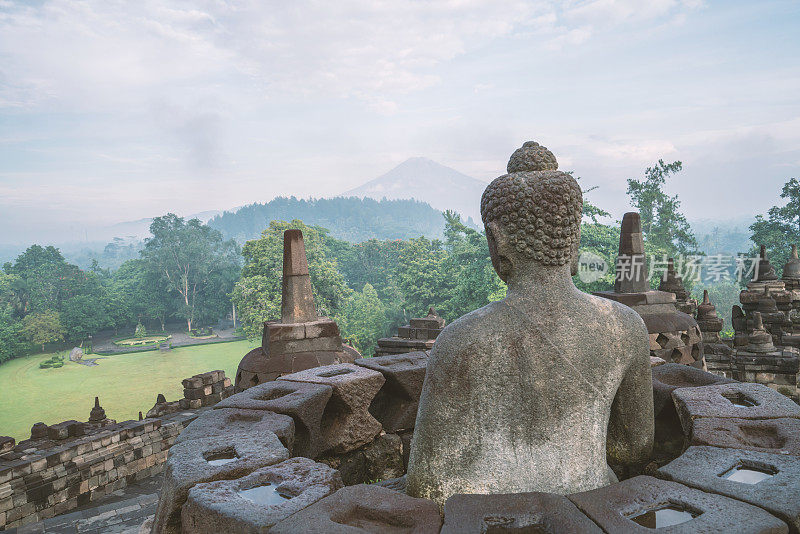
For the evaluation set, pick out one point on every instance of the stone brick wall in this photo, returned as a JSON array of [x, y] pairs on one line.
[[43, 478]]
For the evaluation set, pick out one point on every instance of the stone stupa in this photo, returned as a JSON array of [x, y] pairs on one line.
[[301, 339], [674, 335]]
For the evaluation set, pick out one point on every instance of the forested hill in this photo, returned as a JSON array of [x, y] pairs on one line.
[[352, 219]]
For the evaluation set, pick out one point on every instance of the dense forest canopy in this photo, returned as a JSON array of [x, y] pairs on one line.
[[352, 219], [373, 264]]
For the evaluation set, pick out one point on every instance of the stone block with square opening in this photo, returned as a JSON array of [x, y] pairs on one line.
[[364, 508], [671, 376], [304, 402], [346, 421], [226, 421], [514, 513], [205, 460], [769, 481], [257, 501], [395, 405], [778, 436], [644, 503], [739, 400]]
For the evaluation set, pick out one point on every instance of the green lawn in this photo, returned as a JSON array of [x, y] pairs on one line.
[[125, 383]]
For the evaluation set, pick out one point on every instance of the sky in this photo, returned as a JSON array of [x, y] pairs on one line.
[[113, 111]]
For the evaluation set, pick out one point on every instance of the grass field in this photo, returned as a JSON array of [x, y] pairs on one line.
[[125, 383]]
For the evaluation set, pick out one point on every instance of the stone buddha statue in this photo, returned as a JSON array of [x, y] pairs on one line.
[[539, 391]]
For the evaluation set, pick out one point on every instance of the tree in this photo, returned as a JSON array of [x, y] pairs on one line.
[[781, 228], [43, 327], [664, 227], [188, 256], [362, 319], [423, 277], [474, 281], [45, 278], [83, 316]]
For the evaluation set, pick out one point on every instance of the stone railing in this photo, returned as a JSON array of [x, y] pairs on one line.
[[277, 458], [70, 464], [43, 478]]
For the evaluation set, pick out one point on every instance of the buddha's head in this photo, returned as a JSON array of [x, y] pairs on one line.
[[532, 215]]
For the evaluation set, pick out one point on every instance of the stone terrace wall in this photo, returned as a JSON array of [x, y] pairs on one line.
[[40, 482]]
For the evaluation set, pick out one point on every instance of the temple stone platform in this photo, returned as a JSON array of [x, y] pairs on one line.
[[721, 415], [418, 335]]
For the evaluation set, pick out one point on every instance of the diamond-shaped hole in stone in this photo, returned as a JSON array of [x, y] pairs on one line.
[[221, 457], [665, 515], [762, 436], [662, 340], [749, 473], [273, 394], [740, 400], [266, 494], [335, 372]]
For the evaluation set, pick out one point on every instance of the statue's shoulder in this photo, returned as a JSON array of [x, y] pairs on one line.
[[612, 312], [470, 329]]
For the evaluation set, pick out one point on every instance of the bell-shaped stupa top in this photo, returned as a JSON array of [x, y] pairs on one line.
[[792, 268], [764, 270], [759, 339], [98, 413]]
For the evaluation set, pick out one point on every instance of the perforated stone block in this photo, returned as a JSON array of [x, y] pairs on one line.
[[256, 502], [226, 421], [708, 468], [346, 422], [516, 512], [205, 460], [778, 436], [615, 507], [738, 400], [671, 376], [395, 406], [305, 403], [362, 509]]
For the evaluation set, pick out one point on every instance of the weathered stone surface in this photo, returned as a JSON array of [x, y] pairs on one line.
[[395, 406], [568, 361], [6, 444], [778, 436], [395, 484], [191, 462], [667, 378], [613, 507], [380, 459], [228, 421], [722, 400], [515, 512], [346, 423], [288, 487], [304, 402], [705, 468], [363, 509], [76, 354]]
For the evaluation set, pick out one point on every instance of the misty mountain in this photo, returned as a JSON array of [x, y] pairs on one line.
[[427, 181], [352, 219]]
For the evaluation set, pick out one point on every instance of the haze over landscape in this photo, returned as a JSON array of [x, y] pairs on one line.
[[112, 113]]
